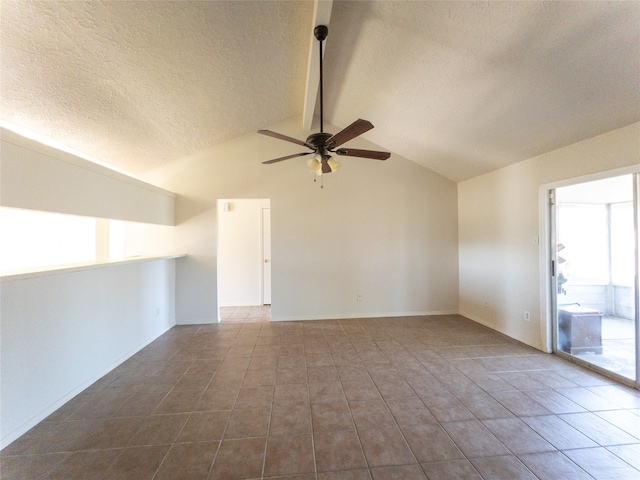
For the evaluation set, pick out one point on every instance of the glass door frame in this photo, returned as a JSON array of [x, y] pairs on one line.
[[636, 229], [548, 270]]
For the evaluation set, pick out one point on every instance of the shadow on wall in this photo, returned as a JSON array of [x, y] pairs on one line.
[[188, 208]]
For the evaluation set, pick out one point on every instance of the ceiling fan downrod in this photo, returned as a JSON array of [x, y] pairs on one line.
[[321, 32], [324, 144]]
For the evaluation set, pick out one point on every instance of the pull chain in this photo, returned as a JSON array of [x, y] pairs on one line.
[[315, 179]]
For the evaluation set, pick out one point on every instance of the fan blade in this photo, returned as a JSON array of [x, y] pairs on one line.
[[269, 162], [285, 138], [352, 131], [326, 168], [354, 152]]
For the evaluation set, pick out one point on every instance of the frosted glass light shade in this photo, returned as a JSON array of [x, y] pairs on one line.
[[315, 164], [333, 164]]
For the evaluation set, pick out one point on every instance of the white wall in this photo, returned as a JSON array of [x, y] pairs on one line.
[[385, 230], [61, 332], [37, 177], [146, 239], [499, 216], [240, 252]]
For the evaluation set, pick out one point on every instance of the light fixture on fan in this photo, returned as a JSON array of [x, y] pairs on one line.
[[315, 164], [323, 144]]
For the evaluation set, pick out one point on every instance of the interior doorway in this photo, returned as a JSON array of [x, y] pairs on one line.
[[244, 260], [594, 286]]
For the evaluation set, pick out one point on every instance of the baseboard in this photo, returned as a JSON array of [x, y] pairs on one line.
[[482, 321], [25, 427], [205, 321], [344, 316]]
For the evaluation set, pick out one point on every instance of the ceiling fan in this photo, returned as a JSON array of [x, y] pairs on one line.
[[322, 144]]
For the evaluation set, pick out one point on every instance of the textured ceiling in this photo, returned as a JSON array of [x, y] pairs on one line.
[[462, 88], [139, 83]]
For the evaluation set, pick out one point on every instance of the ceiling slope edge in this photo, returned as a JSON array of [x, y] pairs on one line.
[[321, 16]]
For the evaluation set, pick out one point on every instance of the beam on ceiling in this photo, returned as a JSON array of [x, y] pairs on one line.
[[321, 16]]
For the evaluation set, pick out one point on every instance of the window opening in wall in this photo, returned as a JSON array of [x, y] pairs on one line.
[[34, 239], [116, 239]]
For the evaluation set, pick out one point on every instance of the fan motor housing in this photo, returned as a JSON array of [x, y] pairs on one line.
[[319, 139]]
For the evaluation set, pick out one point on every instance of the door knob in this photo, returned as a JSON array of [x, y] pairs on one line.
[[266, 260]]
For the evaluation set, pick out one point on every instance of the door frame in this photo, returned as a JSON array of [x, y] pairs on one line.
[[547, 257], [266, 256]]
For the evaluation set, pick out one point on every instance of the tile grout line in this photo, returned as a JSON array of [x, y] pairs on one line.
[[215, 455], [266, 440], [313, 442], [355, 426]]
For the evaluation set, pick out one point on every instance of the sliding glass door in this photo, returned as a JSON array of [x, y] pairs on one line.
[[595, 265]]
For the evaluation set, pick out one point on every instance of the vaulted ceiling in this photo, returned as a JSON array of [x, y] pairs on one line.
[[462, 88]]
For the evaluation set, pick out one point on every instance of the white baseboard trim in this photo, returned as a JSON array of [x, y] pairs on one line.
[[482, 321], [344, 316], [205, 321], [25, 427]]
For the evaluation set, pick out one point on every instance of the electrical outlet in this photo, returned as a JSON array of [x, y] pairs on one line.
[[359, 297], [527, 315]]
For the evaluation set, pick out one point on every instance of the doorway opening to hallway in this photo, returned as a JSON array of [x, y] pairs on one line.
[[244, 260]]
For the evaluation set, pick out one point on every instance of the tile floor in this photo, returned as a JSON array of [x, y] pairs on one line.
[[252, 314], [402, 398], [618, 347]]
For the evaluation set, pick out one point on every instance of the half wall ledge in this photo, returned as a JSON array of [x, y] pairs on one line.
[[76, 267]]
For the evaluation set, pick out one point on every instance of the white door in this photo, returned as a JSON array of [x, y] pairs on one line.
[[266, 256]]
